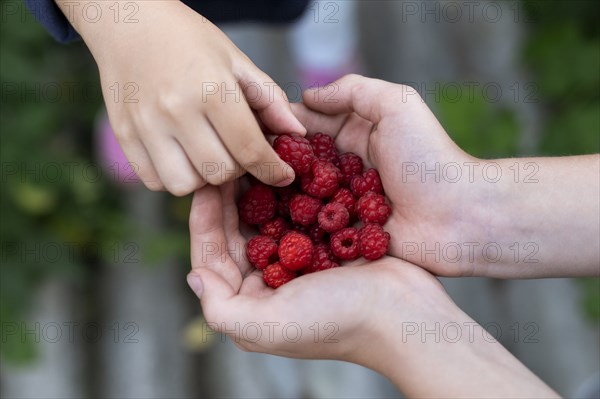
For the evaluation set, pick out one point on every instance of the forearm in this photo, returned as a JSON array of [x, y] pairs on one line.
[[544, 214], [452, 356]]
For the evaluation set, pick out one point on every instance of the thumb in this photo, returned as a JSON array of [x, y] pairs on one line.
[[269, 101], [369, 98], [219, 305], [209, 287]]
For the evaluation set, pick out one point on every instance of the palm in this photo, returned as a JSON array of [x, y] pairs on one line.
[[326, 307], [426, 211]]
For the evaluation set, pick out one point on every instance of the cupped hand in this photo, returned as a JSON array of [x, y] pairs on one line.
[[185, 103], [393, 130], [345, 313]]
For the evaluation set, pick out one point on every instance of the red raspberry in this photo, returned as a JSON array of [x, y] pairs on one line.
[[275, 228], [257, 205], [333, 217], [373, 241], [284, 195], [304, 209], [323, 259], [275, 275], [369, 181], [344, 196], [261, 251], [344, 244], [296, 151], [371, 208], [317, 234], [295, 251], [350, 166], [301, 229], [322, 181], [324, 148]]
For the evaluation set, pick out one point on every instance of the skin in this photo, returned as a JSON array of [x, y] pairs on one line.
[[374, 307], [186, 84], [550, 209], [363, 313]]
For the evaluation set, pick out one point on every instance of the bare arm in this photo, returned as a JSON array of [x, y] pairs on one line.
[[552, 210], [454, 214]]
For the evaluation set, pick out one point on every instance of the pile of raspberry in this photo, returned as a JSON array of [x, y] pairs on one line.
[[312, 225]]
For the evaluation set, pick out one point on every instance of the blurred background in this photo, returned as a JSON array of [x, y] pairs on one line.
[[93, 296]]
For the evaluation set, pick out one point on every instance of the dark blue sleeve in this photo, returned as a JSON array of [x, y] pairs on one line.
[[51, 17], [267, 11]]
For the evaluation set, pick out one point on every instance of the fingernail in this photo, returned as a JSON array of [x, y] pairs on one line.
[[284, 183], [288, 174], [195, 283], [299, 128]]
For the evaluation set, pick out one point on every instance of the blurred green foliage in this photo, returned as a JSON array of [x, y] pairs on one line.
[[479, 126], [36, 212], [562, 55], [61, 216]]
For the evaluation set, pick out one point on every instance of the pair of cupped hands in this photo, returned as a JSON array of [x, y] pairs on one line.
[[345, 313], [393, 315]]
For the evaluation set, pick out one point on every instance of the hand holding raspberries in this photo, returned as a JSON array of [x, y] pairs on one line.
[[307, 227]]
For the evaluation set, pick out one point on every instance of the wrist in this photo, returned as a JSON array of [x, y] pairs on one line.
[[410, 298], [530, 223], [492, 206], [439, 351], [105, 26]]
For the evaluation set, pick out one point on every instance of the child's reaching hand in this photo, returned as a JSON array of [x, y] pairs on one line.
[[182, 99]]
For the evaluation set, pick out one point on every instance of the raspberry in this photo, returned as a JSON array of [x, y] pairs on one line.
[[333, 217], [350, 166], [275, 228], [317, 234], [257, 205], [371, 208], [304, 209], [369, 181], [324, 148], [296, 151], [344, 243], [322, 181], [323, 259], [373, 241], [295, 251], [304, 227], [344, 196], [284, 195], [275, 275], [261, 251]]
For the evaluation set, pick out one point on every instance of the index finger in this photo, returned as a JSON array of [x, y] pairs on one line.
[[236, 125]]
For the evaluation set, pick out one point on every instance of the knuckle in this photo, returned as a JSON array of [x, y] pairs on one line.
[[407, 93], [181, 187], [357, 92], [282, 93], [124, 132], [353, 78], [214, 180], [175, 102]]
